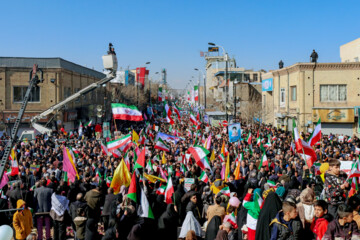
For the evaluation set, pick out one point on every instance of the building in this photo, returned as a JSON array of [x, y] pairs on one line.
[[350, 52], [309, 91], [242, 90], [61, 79]]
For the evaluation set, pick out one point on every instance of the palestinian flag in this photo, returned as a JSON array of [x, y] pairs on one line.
[[193, 120], [144, 209], [196, 93], [232, 219], [316, 134], [272, 184], [132, 188], [168, 114], [264, 161], [203, 177], [160, 144], [169, 191], [140, 163], [161, 190], [118, 143], [225, 191], [123, 112]]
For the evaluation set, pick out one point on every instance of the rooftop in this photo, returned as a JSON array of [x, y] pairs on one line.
[[24, 62]]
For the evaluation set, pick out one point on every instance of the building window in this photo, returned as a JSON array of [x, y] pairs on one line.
[[20, 91], [293, 93], [67, 92], [356, 59], [255, 77], [333, 93], [247, 77], [282, 97]]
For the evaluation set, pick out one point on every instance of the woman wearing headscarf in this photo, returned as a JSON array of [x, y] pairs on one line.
[[167, 223], [213, 228], [159, 206], [306, 210], [190, 223], [271, 207]]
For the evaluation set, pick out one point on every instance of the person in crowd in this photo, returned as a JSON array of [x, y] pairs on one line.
[[22, 220], [335, 186], [321, 219], [306, 211], [285, 225], [216, 209], [354, 203], [343, 226], [42, 196]]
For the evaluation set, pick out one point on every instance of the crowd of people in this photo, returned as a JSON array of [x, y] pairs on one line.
[[282, 199]]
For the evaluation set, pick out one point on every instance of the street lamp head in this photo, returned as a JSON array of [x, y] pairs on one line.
[[196, 69], [147, 63], [211, 44], [157, 73]]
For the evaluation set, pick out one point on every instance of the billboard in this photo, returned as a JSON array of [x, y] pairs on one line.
[[332, 115], [141, 75], [267, 85], [129, 78]]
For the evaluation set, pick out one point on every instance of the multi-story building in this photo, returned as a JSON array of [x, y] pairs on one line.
[[242, 90], [350, 52], [61, 79], [309, 91]]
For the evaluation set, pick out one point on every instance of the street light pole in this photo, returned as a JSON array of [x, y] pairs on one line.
[[235, 83]]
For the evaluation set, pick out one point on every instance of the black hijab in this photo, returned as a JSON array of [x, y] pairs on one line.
[[271, 207], [213, 228], [167, 223]]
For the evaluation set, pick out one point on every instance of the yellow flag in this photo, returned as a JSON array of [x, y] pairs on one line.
[[227, 169], [135, 137], [212, 157], [237, 172], [153, 178], [163, 160], [223, 148], [121, 177]]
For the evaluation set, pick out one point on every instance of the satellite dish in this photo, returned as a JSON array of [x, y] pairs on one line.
[[229, 112], [99, 114], [228, 105], [99, 108]]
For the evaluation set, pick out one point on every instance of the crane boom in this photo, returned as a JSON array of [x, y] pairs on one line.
[[34, 80]]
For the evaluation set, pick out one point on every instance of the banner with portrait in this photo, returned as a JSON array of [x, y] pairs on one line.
[[234, 131]]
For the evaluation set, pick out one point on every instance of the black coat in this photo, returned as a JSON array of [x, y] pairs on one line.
[[271, 207], [212, 228], [167, 223]]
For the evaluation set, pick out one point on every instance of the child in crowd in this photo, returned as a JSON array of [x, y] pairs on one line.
[[343, 227], [286, 225], [321, 220], [335, 186]]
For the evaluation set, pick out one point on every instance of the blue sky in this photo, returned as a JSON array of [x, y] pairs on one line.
[[170, 34]]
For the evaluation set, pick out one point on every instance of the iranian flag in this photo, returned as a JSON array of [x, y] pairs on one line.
[[316, 134], [232, 219], [203, 177], [118, 143], [116, 153], [160, 94], [249, 139], [183, 168], [149, 166], [160, 144], [169, 191], [124, 112], [89, 123], [104, 149], [177, 111], [264, 161], [196, 93], [272, 184], [304, 148], [222, 157], [161, 190], [168, 114], [193, 120], [225, 191], [355, 170], [199, 153], [317, 168]]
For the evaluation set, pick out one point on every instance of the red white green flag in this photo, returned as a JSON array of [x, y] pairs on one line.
[[168, 114], [160, 144], [316, 134], [124, 112], [203, 177], [193, 120], [118, 143], [225, 191], [169, 191]]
